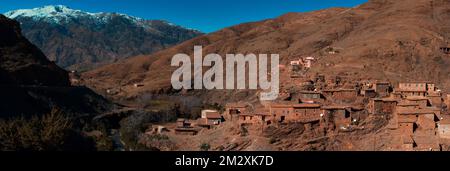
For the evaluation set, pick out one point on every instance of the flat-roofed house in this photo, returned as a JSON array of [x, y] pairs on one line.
[[426, 143], [414, 88], [444, 127], [383, 89], [404, 106], [369, 93], [232, 110], [257, 118], [280, 112], [419, 100], [212, 117], [336, 115], [382, 106], [409, 120], [306, 113], [435, 100], [302, 113], [246, 118]]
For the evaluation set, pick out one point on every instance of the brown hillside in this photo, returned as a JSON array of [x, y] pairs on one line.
[[383, 39]]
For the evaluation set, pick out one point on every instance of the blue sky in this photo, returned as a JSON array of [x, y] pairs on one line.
[[203, 15]]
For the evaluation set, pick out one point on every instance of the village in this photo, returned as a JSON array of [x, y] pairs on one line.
[[416, 114]]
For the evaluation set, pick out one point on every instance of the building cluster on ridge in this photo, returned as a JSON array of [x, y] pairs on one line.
[[415, 111]]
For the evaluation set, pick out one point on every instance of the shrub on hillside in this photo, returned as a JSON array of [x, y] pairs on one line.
[[52, 132]]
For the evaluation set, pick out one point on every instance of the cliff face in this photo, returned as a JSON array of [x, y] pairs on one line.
[[32, 85], [22, 63]]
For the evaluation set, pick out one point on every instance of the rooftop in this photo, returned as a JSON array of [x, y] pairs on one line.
[[407, 104], [413, 111], [306, 105], [386, 99], [213, 115], [417, 82], [334, 107], [310, 92], [416, 98]]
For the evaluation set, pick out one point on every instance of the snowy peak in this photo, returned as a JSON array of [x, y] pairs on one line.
[[46, 11], [62, 14], [94, 39]]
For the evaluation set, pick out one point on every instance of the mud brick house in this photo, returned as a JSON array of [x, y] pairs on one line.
[[435, 100], [263, 119], [407, 143], [341, 94], [212, 117], [406, 106], [358, 113], [414, 88], [339, 116], [444, 128], [303, 113], [426, 124], [246, 118], [369, 93], [306, 113], [232, 110], [280, 112], [436, 110], [383, 89], [409, 120], [419, 100], [426, 143], [382, 106]]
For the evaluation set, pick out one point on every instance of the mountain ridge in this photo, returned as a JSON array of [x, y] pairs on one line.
[[379, 40], [79, 40]]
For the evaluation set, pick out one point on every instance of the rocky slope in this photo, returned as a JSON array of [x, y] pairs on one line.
[[393, 40], [32, 85], [81, 40], [22, 63]]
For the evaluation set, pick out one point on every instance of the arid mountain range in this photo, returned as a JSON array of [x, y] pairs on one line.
[[390, 40], [81, 40]]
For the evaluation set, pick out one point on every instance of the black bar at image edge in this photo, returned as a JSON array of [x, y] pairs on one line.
[[200, 160]]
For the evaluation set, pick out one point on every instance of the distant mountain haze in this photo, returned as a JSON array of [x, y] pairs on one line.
[[81, 40]]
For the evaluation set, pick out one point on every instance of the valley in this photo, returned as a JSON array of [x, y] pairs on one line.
[[368, 78]]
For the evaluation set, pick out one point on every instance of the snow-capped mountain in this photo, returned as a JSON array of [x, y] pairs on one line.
[[77, 39]]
